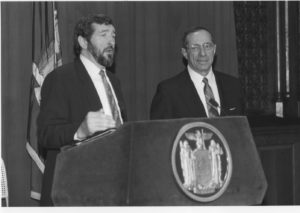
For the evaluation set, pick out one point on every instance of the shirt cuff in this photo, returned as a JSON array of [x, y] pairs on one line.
[[76, 138]]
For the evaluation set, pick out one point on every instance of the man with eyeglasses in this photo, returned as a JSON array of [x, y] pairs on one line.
[[198, 91]]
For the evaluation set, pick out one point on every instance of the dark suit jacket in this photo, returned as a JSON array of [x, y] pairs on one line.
[[177, 97], [67, 95]]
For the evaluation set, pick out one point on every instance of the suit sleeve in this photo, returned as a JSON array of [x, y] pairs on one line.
[[55, 128], [238, 97], [241, 99], [161, 106]]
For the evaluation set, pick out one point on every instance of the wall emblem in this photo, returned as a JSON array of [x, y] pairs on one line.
[[201, 161]]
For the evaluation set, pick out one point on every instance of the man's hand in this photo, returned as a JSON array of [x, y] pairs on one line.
[[94, 122]]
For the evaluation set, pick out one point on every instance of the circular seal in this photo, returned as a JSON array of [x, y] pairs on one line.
[[201, 161]]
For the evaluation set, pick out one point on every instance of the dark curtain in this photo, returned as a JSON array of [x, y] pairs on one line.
[[149, 50], [149, 41], [16, 60]]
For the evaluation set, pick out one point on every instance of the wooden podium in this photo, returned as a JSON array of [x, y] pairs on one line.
[[132, 167]]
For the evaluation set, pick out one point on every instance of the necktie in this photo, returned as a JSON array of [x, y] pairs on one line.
[[111, 99], [210, 99]]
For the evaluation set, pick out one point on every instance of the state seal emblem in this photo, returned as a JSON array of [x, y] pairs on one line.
[[201, 161]]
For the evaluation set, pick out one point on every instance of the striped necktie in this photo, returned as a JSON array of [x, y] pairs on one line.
[[111, 99], [209, 97]]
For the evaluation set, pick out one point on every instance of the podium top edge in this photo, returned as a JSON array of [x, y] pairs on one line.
[[186, 119]]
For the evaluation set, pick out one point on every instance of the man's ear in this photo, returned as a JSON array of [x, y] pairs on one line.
[[215, 49], [184, 53], [82, 42]]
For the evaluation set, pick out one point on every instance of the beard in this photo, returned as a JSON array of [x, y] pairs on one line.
[[99, 56]]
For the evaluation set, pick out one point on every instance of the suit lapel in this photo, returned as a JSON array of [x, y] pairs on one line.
[[190, 96], [88, 88], [220, 90]]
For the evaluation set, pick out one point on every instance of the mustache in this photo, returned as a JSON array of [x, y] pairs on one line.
[[109, 48]]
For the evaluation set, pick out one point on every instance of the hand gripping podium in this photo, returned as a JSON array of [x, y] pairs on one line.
[[180, 162]]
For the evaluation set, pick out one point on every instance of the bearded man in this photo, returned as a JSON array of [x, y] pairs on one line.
[[82, 98]]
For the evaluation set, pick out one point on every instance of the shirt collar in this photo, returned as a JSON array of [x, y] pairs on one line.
[[198, 77], [92, 69]]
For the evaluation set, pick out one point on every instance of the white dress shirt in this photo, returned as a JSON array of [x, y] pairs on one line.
[[197, 80], [94, 74]]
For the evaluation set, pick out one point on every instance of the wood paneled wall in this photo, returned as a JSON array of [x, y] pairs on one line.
[[279, 150], [257, 54]]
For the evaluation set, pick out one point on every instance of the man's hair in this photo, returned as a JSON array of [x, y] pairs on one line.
[[84, 28], [193, 30]]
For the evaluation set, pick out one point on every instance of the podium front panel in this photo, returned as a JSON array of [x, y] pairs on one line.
[[152, 180], [133, 166], [93, 173]]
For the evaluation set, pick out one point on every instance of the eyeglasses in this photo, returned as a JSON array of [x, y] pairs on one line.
[[208, 46]]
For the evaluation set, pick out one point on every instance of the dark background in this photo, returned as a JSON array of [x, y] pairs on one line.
[[149, 41]]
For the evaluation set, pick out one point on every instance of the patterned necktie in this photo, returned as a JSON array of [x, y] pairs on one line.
[[210, 100], [111, 99]]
